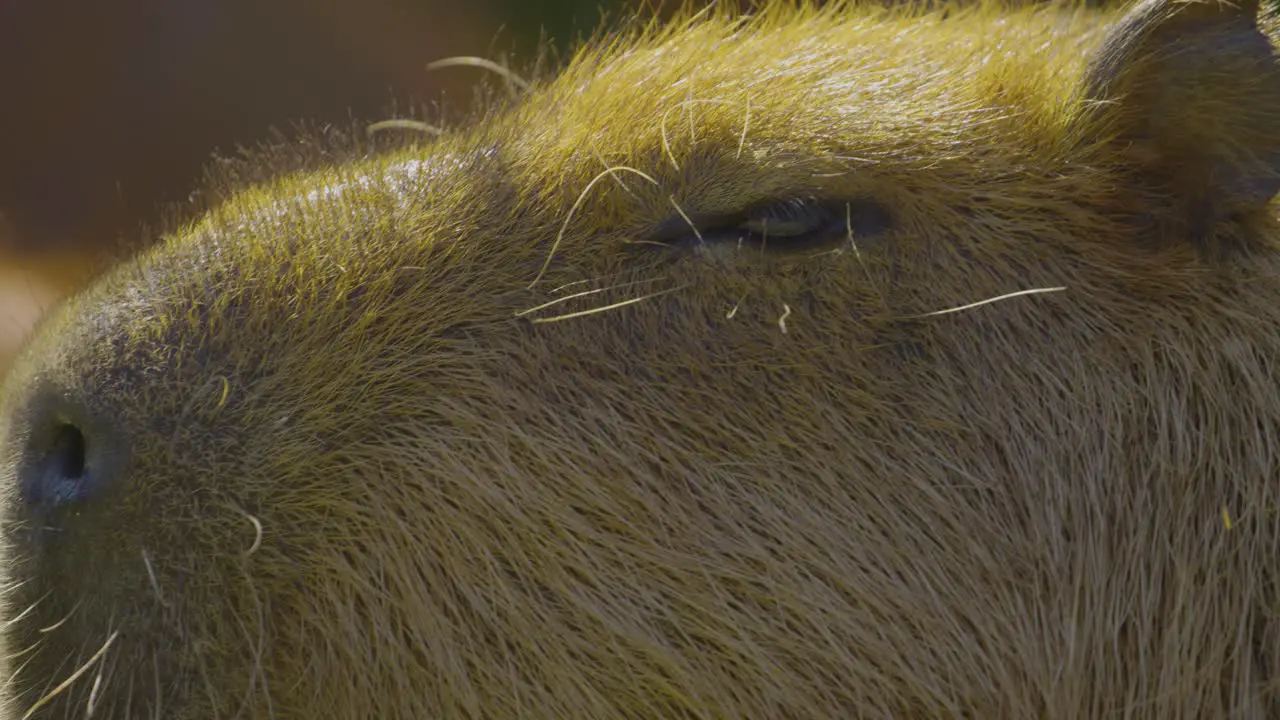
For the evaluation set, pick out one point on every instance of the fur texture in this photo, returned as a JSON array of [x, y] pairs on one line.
[[663, 392]]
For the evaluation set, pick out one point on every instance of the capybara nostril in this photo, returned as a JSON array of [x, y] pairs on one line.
[[67, 460]]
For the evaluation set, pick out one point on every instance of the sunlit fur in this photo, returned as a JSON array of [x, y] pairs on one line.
[[446, 433]]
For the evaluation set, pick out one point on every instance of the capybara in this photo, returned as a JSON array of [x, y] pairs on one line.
[[823, 362]]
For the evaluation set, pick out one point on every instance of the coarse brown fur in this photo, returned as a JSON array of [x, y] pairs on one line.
[[667, 390]]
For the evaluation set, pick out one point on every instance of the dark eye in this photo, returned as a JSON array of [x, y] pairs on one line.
[[781, 226], [786, 219]]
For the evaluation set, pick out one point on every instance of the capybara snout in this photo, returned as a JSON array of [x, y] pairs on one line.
[[818, 363]]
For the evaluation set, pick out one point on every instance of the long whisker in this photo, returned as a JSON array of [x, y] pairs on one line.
[[577, 204], [572, 283], [155, 584], [988, 301], [65, 618], [614, 306], [404, 124], [30, 609], [491, 66], [688, 220], [48, 698], [584, 293], [92, 704]]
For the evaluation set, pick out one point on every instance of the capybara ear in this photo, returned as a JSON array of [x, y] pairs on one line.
[[1191, 91]]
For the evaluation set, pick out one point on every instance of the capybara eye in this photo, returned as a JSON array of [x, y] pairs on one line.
[[786, 219], [809, 223], [782, 226]]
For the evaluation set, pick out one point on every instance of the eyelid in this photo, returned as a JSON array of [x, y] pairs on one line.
[[780, 228], [800, 221], [783, 218]]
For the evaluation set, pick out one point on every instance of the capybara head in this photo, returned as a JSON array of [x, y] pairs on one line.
[[821, 363]]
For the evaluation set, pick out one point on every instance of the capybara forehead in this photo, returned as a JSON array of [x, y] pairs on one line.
[[901, 88]]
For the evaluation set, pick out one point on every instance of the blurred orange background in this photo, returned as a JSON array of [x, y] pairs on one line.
[[110, 110]]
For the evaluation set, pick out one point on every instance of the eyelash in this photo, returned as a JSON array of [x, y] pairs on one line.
[[796, 224]]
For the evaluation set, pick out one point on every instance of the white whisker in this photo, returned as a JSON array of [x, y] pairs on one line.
[[64, 619], [62, 686], [155, 583], [980, 303], [257, 538], [468, 61], [92, 703], [614, 306], [584, 293], [574, 209]]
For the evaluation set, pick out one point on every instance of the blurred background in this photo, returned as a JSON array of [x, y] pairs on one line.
[[110, 110]]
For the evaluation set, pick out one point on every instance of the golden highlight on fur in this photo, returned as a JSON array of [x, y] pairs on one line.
[[820, 363]]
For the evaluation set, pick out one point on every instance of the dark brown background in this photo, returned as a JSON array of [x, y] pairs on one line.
[[109, 110]]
